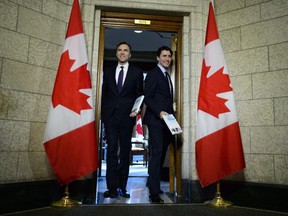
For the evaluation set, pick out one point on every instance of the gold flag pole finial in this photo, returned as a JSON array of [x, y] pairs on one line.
[[65, 201], [218, 201]]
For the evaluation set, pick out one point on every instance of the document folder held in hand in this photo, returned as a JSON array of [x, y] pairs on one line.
[[172, 124], [137, 104]]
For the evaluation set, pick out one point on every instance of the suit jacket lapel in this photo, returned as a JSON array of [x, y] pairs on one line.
[[165, 82], [113, 79], [127, 78]]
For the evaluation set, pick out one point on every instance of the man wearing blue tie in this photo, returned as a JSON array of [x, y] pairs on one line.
[[158, 94], [122, 84]]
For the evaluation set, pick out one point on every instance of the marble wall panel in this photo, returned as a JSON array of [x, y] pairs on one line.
[[34, 166], [275, 8], [281, 114], [8, 14], [57, 10], [28, 106], [4, 102], [40, 166], [41, 26], [27, 77], [36, 136], [187, 166], [253, 2], [186, 69], [24, 172], [259, 168], [246, 139], [186, 90], [13, 45], [170, 5], [278, 56], [186, 43], [197, 40], [242, 87], [247, 61], [8, 166], [45, 54], [32, 4], [196, 21], [87, 13], [255, 112], [224, 6], [186, 117], [270, 84], [269, 140], [281, 171], [230, 40], [238, 18], [14, 135], [196, 66], [264, 33], [88, 29]]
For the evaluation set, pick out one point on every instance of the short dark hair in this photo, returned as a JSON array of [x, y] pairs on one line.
[[164, 48], [123, 42]]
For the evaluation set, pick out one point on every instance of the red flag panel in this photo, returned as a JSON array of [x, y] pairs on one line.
[[70, 136], [219, 151]]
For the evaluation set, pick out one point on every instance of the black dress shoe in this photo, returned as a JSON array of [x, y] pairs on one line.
[[110, 194], [155, 199], [123, 193]]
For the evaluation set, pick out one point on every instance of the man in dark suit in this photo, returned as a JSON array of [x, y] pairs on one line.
[[117, 102], [158, 94]]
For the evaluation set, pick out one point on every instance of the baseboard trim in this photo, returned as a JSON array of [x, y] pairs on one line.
[[247, 194], [31, 195], [37, 194]]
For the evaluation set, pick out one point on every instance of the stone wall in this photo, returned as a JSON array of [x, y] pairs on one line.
[[254, 38]]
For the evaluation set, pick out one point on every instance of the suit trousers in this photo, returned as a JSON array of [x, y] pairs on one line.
[[118, 151], [159, 140]]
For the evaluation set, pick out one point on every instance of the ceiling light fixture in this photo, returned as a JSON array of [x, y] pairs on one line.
[[138, 31]]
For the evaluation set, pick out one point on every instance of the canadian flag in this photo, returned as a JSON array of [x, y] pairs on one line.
[[139, 128], [70, 135], [219, 151]]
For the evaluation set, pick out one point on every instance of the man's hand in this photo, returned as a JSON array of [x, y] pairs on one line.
[[162, 113], [133, 114]]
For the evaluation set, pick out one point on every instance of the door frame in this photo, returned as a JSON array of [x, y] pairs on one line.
[[156, 23]]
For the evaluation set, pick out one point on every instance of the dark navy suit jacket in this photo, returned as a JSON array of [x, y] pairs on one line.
[[111, 99], [157, 97]]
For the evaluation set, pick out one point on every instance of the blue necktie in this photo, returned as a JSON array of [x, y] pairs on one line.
[[120, 79]]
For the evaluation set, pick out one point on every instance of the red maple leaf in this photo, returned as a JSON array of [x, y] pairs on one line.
[[67, 85], [139, 129], [209, 87]]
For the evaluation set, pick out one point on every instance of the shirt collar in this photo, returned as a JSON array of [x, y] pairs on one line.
[[162, 68], [125, 66]]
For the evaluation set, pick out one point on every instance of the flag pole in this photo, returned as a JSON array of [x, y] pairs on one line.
[[66, 201], [218, 201], [175, 167]]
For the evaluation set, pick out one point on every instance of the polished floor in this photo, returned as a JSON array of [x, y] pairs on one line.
[[136, 186]]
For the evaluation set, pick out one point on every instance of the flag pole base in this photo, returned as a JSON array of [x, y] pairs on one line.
[[65, 202], [218, 201]]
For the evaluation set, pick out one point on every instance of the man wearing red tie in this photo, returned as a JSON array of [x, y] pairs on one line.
[[122, 84], [158, 94]]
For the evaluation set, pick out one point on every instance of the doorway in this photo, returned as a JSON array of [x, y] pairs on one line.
[[144, 44], [155, 32]]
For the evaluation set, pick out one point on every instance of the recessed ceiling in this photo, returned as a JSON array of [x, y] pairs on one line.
[[145, 41]]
